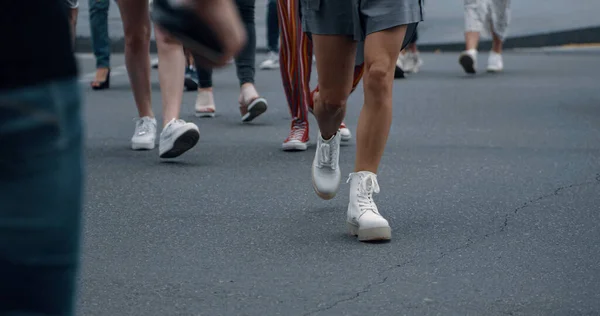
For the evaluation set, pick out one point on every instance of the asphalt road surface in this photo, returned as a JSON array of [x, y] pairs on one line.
[[491, 185]]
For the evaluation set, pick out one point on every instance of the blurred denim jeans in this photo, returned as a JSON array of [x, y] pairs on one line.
[[41, 179], [99, 31]]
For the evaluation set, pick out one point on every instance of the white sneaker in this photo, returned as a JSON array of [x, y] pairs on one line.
[[272, 62], [177, 137], [411, 62], [495, 63], [363, 218], [468, 60], [144, 136], [326, 173], [345, 133], [205, 104]]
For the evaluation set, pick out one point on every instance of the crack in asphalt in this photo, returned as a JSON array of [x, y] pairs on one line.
[[365, 289], [466, 245]]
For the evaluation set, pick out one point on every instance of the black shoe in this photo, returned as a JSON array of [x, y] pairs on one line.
[[182, 23], [398, 73], [191, 79]]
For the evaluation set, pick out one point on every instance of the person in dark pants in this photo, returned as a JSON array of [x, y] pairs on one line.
[[272, 61], [41, 165], [251, 104], [98, 10]]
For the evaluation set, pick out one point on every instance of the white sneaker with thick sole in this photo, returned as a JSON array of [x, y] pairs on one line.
[[177, 137], [144, 136], [468, 60], [495, 63], [325, 169], [363, 217]]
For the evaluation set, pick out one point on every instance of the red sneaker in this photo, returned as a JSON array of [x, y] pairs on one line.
[[298, 137]]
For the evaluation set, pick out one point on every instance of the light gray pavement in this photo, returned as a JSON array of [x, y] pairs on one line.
[[491, 185], [443, 24]]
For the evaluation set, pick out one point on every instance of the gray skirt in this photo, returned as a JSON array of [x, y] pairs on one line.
[[359, 18]]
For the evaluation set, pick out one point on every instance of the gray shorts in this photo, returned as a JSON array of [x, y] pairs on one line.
[[359, 18], [72, 4]]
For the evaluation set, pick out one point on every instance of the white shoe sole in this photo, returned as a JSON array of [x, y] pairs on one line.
[[182, 143], [205, 114], [143, 146], [346, 138], [294, 146], [494, 70], [324, 196], [255, 109], [370, 234]]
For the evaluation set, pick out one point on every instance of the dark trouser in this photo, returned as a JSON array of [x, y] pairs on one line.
[[98, 10], [41, 180], [244, 62], [272, 27]]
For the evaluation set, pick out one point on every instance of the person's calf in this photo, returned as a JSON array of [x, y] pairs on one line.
[[330, 113]]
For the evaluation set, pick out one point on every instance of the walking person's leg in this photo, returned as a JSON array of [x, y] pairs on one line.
[[205, 102], [475, 16], [177, 135], [295, 56], [500, 16], [73, 12], [272, 61], [98, 10], [136, 26], [251, 104], [385, 31], [41, 188]]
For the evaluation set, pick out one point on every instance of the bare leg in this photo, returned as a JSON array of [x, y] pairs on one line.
[[496, 43], [335, 65], [381, 51], [73, 22], [170, 74], [136, 24], [471, 40]]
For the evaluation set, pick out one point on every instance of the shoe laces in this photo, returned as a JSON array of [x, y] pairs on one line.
[[297, 132], [366, 187], [143, 126], [328, 155]]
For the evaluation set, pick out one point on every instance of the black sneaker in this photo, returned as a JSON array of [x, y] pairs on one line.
[[182, 23]]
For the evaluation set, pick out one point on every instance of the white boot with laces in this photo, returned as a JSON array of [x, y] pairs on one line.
[[363, 217]]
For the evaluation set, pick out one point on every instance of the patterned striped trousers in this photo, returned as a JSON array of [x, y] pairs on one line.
[[295, 58]]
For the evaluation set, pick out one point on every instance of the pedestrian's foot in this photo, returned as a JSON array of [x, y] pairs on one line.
[[495, 63], [272, 62], [326, 173], [102, 80], [177, 137], [468, 60], [191, 79], [411, 62], [345, 133], [298, 138], [363, 217], [251, 105], [144, 136], [205, 103]]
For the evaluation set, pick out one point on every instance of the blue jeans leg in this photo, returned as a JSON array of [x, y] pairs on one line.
[[99, 31], [41, 178]]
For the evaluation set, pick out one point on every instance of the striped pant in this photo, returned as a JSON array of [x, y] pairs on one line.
[[295, 58]]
